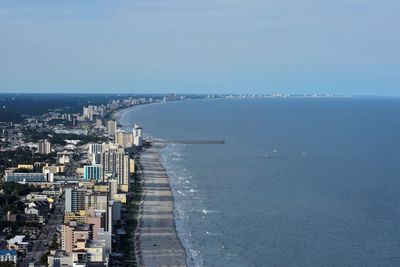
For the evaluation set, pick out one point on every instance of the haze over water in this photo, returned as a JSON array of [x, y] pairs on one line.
[[299, 182]]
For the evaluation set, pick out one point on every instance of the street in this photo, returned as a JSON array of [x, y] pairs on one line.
[[41, 245]]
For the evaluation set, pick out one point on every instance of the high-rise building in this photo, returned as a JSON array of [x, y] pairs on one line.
[[124, 173], [86, 112], [95, 148], [111, 127], [113, 187], [94, 172], [116, 164], [97, 158], [97, 201], [44, 147], [124, 139], [89, 112], [72, 232], [137, 135], [74, 199]]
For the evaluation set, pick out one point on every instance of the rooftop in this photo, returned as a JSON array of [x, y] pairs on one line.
[[4, 252], [17, 239]]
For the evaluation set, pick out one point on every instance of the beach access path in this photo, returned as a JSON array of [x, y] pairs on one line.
[[156, 238]]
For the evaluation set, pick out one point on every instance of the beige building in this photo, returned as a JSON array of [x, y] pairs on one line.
[[53, 169], [102, 187], [111, 127], [72, 232], [87, 251], [120, 198], [79, 217], [131, 166], [25, 166], [96, 201], [59, 258], [124, 139]]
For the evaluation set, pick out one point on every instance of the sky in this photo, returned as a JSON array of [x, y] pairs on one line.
[[207, 46]]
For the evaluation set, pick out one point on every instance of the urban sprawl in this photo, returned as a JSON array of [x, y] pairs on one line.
[[68, 181]]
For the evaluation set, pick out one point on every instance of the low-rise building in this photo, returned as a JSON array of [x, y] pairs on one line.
[[120, 198], [25, 166], [59, 258], [79, 217], [25, 177], [18, 243], [89, 252], [8, 256]]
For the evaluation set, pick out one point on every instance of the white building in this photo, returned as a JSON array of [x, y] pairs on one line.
[[17, 243], [137, 135], [44, 147], [8, 256], [64, 160], [95, 148]]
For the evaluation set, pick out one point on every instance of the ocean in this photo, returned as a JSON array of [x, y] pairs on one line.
[[299, 182]]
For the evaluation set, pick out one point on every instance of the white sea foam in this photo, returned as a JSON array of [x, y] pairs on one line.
[[207, 211], [184, 204], [213, 233]]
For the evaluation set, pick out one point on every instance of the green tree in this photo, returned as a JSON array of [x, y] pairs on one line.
[[43, 259], [7, 264]]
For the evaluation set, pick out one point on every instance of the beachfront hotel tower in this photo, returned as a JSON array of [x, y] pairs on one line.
[[111, 127]]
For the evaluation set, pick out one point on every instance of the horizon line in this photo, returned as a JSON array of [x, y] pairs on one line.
[[277, 94]]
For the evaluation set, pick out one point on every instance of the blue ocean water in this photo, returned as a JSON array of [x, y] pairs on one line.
[[299, 182]]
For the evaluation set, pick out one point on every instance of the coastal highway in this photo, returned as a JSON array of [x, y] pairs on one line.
[[40, 246]]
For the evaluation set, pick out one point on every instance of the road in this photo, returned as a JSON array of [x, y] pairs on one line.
[[40, 245]]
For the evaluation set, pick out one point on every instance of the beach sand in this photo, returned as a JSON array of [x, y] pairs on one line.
[[156, 238]]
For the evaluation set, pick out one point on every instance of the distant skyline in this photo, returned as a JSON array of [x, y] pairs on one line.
[[227, 46]]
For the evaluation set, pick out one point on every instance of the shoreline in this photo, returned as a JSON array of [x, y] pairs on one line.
[[117, 115], [156, 237]]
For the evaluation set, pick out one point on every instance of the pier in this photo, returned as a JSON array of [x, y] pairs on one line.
[[191, 142]]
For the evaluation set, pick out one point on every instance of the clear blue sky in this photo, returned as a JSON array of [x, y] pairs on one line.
[[205, 46]]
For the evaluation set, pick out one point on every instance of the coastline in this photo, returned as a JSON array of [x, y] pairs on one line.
[[117, 115], [156, 238]]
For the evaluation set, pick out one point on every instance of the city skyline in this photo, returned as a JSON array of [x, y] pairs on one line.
[[261, 47]]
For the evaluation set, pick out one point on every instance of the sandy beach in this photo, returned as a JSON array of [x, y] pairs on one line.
[[118, 114], [156, 238]]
